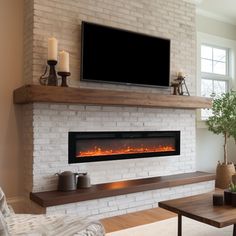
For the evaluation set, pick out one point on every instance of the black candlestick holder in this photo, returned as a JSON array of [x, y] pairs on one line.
[[51, 79], [64, 76]]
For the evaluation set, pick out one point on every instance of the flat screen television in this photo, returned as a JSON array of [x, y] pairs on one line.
[[120, 56]]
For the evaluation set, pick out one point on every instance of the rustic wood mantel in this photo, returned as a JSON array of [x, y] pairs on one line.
[[53, 198], [51, 94]]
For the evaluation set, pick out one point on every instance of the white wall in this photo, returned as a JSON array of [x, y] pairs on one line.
[[215, 27], [209, 149]]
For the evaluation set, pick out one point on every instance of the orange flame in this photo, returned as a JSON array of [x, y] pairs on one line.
[[97, 151]]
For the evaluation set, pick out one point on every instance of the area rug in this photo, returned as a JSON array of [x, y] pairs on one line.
[[169, 228]]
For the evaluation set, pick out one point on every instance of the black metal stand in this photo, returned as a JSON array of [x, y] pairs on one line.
[[179, 86], [51, 79], [179, 225], [64, 78]]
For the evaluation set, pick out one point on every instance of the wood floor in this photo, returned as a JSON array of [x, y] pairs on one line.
[[134, 219]]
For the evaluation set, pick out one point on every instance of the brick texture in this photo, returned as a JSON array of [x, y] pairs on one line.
[[46, 126], [108, 207], [62, 19], [51, 124]]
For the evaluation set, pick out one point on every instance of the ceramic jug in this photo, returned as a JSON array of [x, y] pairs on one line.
[[83, 181], [66, 181]]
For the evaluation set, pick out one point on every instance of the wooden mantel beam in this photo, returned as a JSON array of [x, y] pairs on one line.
[[87, 96]]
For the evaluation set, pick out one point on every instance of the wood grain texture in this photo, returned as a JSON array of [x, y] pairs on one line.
[[200, 208], [129, 220], [37, 93], [52, 198]]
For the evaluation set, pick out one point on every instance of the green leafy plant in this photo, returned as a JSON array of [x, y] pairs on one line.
[[223, 119], [232, 188]]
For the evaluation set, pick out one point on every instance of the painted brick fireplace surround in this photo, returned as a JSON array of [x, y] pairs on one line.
[[46, 125]]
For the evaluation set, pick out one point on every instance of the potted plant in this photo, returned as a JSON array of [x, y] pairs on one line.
[[223, 121], [230, 195]]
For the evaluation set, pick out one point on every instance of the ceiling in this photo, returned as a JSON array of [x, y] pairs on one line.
[[223, 10]]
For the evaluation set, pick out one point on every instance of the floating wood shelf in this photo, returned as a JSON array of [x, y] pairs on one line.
[[53, 198], [51, 94]]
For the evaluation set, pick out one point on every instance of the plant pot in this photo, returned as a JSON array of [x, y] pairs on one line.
[[224, 174], [233, 199], [227, 197], [218, 199]]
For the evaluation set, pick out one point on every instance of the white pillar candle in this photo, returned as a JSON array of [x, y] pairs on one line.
[[52, 49], [63, 65], [180, 73]]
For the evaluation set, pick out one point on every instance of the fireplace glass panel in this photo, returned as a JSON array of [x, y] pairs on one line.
[[104, 147]]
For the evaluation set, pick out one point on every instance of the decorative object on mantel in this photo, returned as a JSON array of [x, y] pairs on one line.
[[64, 78], [179, 85], [67, 181], [83, 181], [223, 121], [51, 79], [63, 67]]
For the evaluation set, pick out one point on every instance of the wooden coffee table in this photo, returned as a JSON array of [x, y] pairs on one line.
[[200, 208]]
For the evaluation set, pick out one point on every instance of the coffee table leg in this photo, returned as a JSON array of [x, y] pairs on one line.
[[180, 225], [234, 230]]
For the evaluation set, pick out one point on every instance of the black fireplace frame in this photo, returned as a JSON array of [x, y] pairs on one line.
[[74, 136]]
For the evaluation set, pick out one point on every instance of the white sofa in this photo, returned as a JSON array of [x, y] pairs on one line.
[[43, 225]]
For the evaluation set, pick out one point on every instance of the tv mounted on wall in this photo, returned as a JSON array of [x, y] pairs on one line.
[[124, 57]]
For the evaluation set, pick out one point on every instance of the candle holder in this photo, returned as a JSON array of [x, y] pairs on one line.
[[64, 78], [179, 86], [51, 79]]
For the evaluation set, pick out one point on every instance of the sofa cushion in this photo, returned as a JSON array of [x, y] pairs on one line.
[[3, 204], [53, 225], [3, 226]]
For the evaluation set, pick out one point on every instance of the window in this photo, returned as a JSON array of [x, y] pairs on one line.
[[214, 73]]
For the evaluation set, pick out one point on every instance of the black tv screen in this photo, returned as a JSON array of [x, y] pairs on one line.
[[120, 56]]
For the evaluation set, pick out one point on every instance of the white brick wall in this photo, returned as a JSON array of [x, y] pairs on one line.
[[164, 18], [51, 124], [107, 207], [46, 126]]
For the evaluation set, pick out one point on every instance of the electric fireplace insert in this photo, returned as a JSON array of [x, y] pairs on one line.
[[108, 146]]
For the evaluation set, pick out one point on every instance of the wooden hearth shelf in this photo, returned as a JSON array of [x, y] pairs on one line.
[[51, 94], [53, 198]]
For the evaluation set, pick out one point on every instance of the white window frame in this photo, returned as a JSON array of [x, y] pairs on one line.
[[221, 43], [215, 75]]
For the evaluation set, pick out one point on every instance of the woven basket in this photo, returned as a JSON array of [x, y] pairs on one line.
[[234, 178], [224, 174]]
